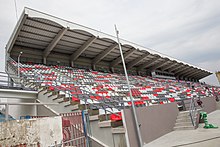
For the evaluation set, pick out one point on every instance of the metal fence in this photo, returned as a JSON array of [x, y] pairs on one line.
[[73, 130]]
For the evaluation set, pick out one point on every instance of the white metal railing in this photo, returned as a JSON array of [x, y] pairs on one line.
[[192, 111]]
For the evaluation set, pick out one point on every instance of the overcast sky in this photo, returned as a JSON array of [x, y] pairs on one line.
[[183, 29]]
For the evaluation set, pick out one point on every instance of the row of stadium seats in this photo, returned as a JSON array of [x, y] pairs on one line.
[[108, 91]]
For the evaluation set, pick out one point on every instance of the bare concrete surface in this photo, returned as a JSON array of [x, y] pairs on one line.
[[218, 106], [192, 138]]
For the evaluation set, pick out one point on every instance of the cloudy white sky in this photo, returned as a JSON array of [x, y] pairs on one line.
[[186, 30]]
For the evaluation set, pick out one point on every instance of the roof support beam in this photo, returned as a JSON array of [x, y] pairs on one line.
[[201, 75], [177, 67], [169, 66], [79, 51], [188, 72], [148, 63], [102, 55], [158, 65], [54, 42], [137, 60], [196, 72], [126, 55], [193, 73], [185, 70]]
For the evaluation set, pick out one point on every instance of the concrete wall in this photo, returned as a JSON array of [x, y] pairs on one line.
[[50, 130], [218, 105], [43, 131], [209, 104], [105, 136], [102, 134], [95, 143], [43, 111], [21, 110], [22, 96], [155, 120], [19, 96]]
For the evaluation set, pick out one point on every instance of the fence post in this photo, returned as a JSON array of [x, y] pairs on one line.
[[85, 126], [6, 112]]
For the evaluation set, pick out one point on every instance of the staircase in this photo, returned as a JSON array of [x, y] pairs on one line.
[[108, 133], [64, 106], [183, 121]]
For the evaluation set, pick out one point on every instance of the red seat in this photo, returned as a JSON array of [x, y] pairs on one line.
[[172, 99], [92, 97], [145, 98], [75, 99], [51, 88], [97, 97], [136, 103], [115, 117], [188, 90]]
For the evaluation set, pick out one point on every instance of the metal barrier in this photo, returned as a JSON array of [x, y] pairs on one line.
[[192, 111], [73, 130], [9, 81]]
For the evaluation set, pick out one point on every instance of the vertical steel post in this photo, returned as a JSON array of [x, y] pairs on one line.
[[6, 112], [137, 129], [18, 64]]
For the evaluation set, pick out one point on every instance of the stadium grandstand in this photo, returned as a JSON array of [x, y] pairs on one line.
[[68, 68]]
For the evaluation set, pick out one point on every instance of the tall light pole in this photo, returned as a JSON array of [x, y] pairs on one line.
[[139, 138], [19, 64]]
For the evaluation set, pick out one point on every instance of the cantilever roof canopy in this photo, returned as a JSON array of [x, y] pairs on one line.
[[45, 39]]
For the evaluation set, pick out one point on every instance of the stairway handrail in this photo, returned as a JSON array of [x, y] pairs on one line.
[[192, 111]]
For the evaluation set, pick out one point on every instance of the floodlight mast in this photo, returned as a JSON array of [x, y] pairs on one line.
[[135, 121]]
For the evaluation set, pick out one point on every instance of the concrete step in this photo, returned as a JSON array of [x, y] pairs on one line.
[[52, 94], [74, 108], [183, 124], [57, 97], [48, 92], [94, 117], [52, 97], [183, 128], [109, 123], [63, 107], [60, 100], [66, 104], [104, 124], [184, 113], [41, 89], [118, 130], [183, 116], [188, 119]]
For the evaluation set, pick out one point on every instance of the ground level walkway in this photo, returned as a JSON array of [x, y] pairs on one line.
[[192, 138]]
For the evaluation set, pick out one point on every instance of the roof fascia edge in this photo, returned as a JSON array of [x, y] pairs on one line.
[[15, 32]]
